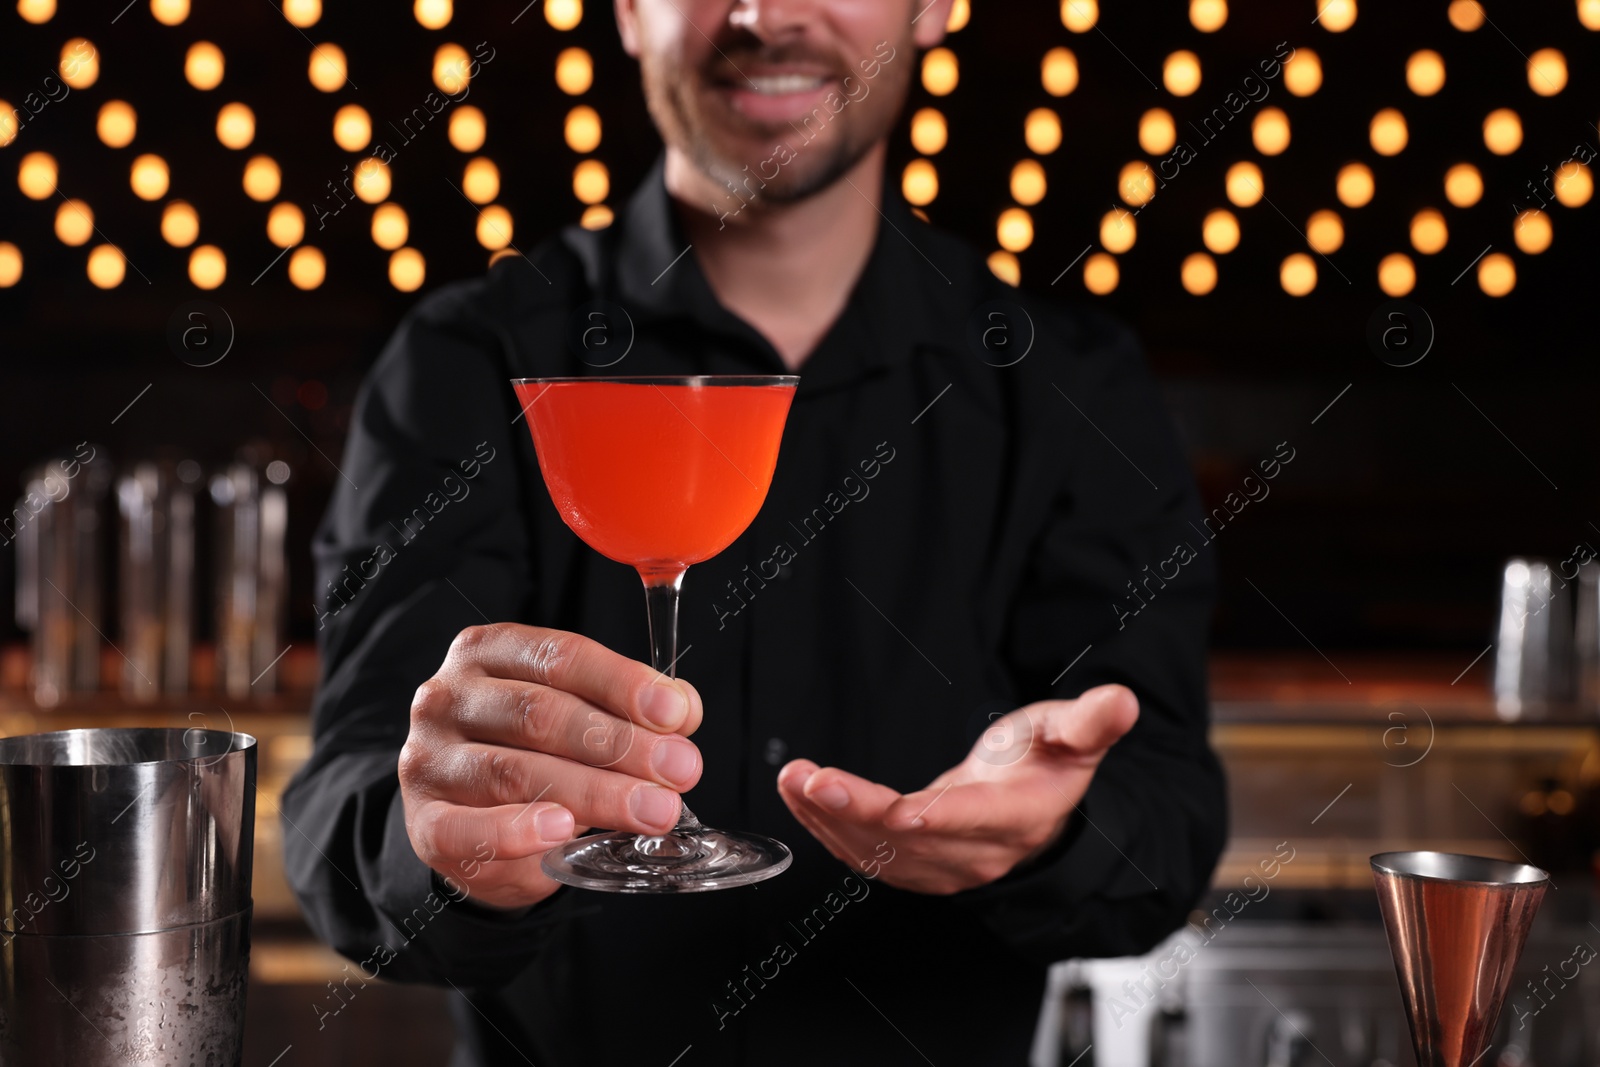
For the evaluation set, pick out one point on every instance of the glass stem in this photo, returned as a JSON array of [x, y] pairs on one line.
[[661, 601]]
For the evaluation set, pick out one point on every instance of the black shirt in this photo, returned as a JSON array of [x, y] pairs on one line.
[[946, 538]]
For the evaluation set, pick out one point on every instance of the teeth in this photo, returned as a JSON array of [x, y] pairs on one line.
[[778, 84]]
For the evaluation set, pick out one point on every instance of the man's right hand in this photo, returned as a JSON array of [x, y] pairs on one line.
[[526, 737]]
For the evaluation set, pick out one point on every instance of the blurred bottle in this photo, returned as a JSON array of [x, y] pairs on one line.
[[156, 502], [252, 518], [1533, 654], [60, 529]]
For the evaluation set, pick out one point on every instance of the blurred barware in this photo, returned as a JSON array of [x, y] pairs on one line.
[[1587, 635], [156, 579], [252, 520], [125, 866], [1533, 654]]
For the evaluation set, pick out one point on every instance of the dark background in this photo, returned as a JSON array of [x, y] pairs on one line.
[[1386, 531]]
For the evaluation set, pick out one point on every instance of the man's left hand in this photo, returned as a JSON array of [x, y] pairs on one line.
[[1006, 803]]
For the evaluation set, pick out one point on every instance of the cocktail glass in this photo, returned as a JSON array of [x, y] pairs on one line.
[[660, 473]]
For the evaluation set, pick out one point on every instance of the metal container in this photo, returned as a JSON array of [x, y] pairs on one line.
[[1533, 645], [125, 865]]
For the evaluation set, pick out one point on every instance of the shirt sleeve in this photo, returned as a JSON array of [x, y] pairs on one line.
[[426, 534], [1119, 585]]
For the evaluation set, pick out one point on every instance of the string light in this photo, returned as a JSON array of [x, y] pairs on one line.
[[208, 267], [1336, 16], [236, 126], [107, 267], [1589, 14], [1199, 273], [1463, 185], [203, 65], [1466, 15], [1270, 131], [919, 182], [591, 182], [1136, 183], [1157, 132], [262, 179], [1425, 72], [468, 129], [390, 227], [563, 14], [1028, 183], [74, 223], [960, 14], [1574, 184], [1388, 132], [1244, 184], [480, 181], [1325, 232], [1041, 131], [1079, 16], [574, 71], [1502, 131], [352, 128], [1208, 16], [286, 225], [10, 259], [433, 14], [1059, 71], [117, 123], [302, 13], [407, 270], [37, 174], [1428, 232], [1397, 276], [1302, 73], [307, 267], [169, 12], [494, 227], [928, 131], [36, 12], [1355, 185], [149, 177], [1004, 265], [1497, 275], [8, 123], [372, 180], [1298, 274], [1181, 72], [1100, 273], [1547, 71], [940, 71], [80, 63], [582, 129], [1014, 230], [1532, 232], [180, 224], [1220, 231], [1117, 231], [327, 67], [596, 217], [452, 71]]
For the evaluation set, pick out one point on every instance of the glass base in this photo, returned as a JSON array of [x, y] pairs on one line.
[[678, 862]]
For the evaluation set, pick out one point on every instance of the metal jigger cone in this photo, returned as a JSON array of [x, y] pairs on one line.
[[1456, 926]]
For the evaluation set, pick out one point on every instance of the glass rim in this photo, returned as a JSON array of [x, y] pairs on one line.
[[771, 380]]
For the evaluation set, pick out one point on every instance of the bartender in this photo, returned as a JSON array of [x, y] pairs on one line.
[[957, 662]]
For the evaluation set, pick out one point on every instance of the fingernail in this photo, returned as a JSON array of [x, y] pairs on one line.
[[676, 761], [664, 704], [554, 824], [831, 796], [655, 806]]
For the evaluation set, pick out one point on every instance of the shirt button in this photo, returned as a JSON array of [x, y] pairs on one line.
[[776, 750]]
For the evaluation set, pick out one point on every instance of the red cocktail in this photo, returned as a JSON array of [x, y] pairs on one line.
[[660, 473]]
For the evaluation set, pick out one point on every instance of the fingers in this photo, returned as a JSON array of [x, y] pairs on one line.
[[450, 837], [585, 668], [1089, 725], [834, 793], [482, 776], [536, 717]]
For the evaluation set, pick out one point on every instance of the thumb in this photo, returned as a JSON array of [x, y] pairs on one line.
[[1091, 724]]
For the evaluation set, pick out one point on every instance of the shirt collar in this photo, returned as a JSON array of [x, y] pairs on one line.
[[909, 294]]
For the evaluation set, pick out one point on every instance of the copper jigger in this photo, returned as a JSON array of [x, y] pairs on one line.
[[1456, 926]]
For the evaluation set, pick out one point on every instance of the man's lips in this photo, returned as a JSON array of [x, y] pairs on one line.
[[776, 96]]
